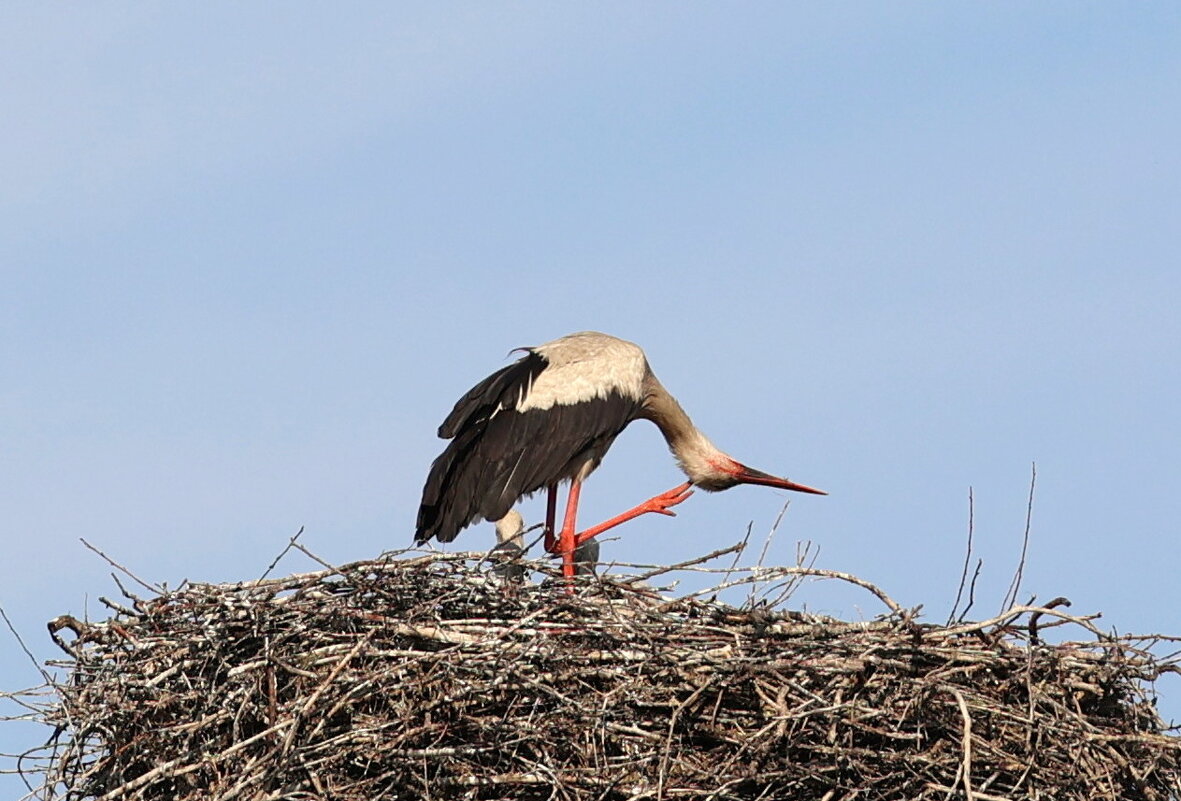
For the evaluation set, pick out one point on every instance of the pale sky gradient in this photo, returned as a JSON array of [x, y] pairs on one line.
[[251, 255]]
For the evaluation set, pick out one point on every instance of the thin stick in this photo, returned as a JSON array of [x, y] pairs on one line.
[[662, 774], [25, 648], [741, 549], [1015, 586], [775, 572], [1006, 618], [966, 764], [282, 553], [806, 555], [330, 567], [152, 587], [766, 546], [972, 590], [736, 547], [771, 533], [967, 557]]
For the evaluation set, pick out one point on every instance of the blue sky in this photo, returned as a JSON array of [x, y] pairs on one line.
[[249, 261]]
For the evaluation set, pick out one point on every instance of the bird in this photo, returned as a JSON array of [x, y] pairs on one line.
[[549, 418], [510, 547], [586, 558]]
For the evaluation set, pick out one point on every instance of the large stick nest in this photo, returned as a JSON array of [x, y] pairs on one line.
[[427, 677]]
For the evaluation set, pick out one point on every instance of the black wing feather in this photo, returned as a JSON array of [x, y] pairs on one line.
[[502, 388], [495, 459]]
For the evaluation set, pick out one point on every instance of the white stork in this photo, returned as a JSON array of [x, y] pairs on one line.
[[550, 417]]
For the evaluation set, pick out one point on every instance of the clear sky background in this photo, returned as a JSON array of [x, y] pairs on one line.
[[250, 255]]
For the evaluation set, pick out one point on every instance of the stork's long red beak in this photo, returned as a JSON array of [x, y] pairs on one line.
[[748, 475]]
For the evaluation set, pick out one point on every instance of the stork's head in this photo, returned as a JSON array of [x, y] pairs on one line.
[[730, 473], [713, 470]]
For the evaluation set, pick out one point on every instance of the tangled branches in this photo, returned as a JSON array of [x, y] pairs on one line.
[[425, 677]]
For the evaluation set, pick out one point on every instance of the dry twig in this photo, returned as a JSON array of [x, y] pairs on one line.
[[1015, 587]]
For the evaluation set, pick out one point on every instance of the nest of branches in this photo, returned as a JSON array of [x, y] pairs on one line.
[[430, 677]]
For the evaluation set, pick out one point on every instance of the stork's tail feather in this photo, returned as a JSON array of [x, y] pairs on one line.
[[436, 512]]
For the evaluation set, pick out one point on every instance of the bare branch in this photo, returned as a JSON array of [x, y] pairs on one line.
[[967, 558], [149, 587], [1015, 586]]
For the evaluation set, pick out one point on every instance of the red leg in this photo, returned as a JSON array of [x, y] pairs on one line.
[[566, 538], [659, 504], [551, 509]]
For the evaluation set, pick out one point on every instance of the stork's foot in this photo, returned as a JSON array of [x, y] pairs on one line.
[[666, 500], [660, 504]]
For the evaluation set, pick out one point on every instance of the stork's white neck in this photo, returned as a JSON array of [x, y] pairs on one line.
[[703, 462]]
